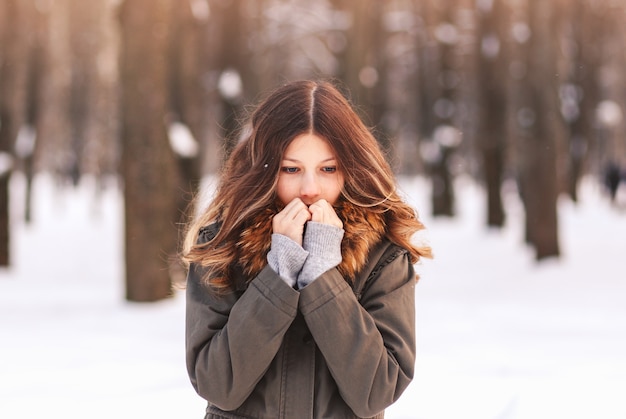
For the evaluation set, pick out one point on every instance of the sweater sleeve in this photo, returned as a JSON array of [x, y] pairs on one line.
[[223, 335], [323, 243], [368, 344], [286, 258]]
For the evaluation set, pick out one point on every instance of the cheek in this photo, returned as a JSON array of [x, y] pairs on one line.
[[284, 191], [334, 189]]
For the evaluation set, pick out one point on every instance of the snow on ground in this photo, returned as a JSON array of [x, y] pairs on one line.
[[499, 336]]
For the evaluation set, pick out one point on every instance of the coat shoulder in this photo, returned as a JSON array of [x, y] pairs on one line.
[[381, 255]]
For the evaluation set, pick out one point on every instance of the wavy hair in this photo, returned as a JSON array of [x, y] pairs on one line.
[[247, 186]]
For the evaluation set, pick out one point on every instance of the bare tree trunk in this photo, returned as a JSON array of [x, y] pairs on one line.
[[87, 26], [148, 165], [539, 120], [53, 121], [612, 124], [232, 57], [427, 90], [188, 98], [579, 95], [14, 50], [362, 64], [446, 110], [7, 34], [492, 121], [36, 69]]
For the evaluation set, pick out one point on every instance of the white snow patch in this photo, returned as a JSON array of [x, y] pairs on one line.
[[182, 140]]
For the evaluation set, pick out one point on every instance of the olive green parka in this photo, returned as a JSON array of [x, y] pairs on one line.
[[330, 350]]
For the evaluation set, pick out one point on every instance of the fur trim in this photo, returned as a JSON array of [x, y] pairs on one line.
[[363, 228]]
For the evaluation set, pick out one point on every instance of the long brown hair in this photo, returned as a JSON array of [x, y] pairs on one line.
[[247, 185]]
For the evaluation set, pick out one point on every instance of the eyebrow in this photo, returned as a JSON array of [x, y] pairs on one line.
[[298, 161]]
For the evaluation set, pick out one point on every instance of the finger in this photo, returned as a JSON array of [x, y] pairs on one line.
[[317, 213], [317, 210], [323, 212], [295, 207], [295, 217], [322, 203], [291, 220]]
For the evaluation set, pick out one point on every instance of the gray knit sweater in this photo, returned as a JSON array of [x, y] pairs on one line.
[[299, 265]]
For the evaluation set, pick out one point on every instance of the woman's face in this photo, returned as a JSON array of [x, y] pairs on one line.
[[309, 171]]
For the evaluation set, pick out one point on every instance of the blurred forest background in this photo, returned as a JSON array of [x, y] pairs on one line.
[[528, 93]]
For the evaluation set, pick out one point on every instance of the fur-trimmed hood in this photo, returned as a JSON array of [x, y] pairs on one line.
[[363, 228]]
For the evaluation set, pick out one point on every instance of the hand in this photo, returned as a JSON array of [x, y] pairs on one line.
[[323, 212], [291, 220]]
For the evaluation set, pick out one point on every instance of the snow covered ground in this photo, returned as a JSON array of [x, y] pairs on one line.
[[499, 336]]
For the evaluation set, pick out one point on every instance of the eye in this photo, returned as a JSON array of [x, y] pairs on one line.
[[329, 169], [289, 169]]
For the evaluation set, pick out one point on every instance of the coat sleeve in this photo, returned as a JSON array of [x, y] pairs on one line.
[[224, 334], [368, 344]]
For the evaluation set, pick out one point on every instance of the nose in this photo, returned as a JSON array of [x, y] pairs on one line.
[[309, 188]]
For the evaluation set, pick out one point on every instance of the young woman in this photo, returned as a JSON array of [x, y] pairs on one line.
[[300, 292]]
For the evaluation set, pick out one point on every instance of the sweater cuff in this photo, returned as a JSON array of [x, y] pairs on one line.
[[286, 258], [323, 242]]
